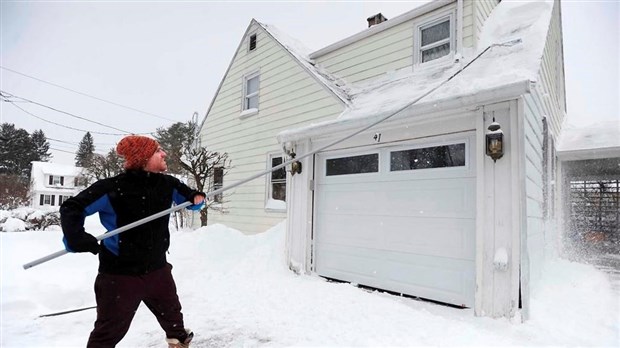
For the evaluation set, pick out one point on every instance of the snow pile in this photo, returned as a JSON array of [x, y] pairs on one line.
[[594, 136], [13, 224], [237, 292]]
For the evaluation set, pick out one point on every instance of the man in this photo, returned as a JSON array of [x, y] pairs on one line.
[[132, 265]]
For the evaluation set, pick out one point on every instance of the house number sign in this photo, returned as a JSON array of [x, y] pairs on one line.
[[377, 137]]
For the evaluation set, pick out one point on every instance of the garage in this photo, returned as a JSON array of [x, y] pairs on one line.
[[399, 217]]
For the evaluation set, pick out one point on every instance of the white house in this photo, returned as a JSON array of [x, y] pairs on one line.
[[53, 183], [413, 204]]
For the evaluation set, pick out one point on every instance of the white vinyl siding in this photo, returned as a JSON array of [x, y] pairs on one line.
[[373, 56], [468, 23], [388, 50], [481, 11], [289, 97]]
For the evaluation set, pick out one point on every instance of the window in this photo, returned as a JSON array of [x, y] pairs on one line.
[[435, 39], [218, 183], [428, 157], [56, 180], [250, 92], [47, 200], [352, 165], [277, 184], [252, 42], [62, 198]]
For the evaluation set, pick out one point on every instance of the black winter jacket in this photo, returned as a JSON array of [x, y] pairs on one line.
[[123, 199]]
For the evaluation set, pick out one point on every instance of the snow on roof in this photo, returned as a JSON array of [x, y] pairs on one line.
[[511, 48], [41, 169], [50, 168], [599, 140], [300, 52]]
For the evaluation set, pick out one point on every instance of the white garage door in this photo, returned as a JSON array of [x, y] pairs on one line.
[[400, 218]]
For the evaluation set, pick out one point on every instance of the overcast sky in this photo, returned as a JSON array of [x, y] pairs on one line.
[[160, 62]]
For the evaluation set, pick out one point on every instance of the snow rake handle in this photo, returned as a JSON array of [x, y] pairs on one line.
[[111, 233]]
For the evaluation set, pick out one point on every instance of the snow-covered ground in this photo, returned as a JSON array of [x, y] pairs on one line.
[[237, 292]]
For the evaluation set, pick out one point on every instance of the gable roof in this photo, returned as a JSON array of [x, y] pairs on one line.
[[299, 53], [511, 45], [41, 169]]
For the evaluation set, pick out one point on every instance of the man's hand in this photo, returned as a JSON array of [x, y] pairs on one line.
[[83, 243], [198, 199]]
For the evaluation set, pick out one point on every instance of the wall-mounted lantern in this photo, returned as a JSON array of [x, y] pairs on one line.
[[295, 168], [495, 141]]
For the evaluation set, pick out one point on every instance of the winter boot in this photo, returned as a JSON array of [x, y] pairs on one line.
[[175, 343]]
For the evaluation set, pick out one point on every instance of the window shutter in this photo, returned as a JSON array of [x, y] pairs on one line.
[[51, 179], [53, 197], [41, 200], [62, 181]]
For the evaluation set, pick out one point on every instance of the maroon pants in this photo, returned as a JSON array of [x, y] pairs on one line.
[[118, 298]]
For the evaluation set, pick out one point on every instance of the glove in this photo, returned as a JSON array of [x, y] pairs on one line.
[[83, 243]]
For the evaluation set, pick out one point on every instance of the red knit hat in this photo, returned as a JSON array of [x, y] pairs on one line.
[[136, 150]]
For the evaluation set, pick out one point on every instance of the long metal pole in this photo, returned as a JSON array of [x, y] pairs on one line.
[[111, 233], [282, 165]]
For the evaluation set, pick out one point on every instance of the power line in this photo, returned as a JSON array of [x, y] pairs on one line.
[[62, 125], [87, 95], [54, 109]]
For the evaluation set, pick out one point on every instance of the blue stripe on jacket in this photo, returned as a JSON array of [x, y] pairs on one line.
[[107, 216]]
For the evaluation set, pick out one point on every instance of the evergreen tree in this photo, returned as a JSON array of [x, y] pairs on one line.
[[85, 152], [174, 140], [17, 150], [41, 145]]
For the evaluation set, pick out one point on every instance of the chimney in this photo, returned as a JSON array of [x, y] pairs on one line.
[[376, 19]]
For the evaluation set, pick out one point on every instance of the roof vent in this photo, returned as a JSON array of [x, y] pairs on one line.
[[376, 19]]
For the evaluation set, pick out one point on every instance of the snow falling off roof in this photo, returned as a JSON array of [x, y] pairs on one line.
[[515, 35], [302, 54]]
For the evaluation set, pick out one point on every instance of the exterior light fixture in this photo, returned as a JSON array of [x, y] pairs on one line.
[[295, 168], [495, 141]]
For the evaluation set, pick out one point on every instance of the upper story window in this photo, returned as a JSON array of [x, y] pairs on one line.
[[250, 92], [435, 39], [56, 180], [252, 42]]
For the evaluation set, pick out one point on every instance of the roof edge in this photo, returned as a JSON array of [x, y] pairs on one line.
[[587, 154]]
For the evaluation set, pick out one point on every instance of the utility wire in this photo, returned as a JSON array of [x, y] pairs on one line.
[[62, 125], [3, 93], [13, 102], [87, 95]]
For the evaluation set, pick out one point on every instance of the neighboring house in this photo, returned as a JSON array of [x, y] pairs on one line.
[[590, 181], [413, 205], [53, 183]]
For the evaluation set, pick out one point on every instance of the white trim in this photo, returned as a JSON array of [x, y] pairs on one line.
[[247, 46], [429, 21], [270, 206], [244, 96]]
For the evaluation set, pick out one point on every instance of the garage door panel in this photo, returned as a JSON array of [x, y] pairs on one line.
[[432, 236], [448, 280], [450, 197]]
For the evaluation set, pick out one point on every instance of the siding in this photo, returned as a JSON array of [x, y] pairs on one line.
[[373, 56], [546, 100], [288, 97], [468, 24], [481, 11], [533, 152], [551, 88]]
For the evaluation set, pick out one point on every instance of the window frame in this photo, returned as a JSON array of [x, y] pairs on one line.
[[428, 22], [219, 198], [247, 111], [249, 46], [269, 183]]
